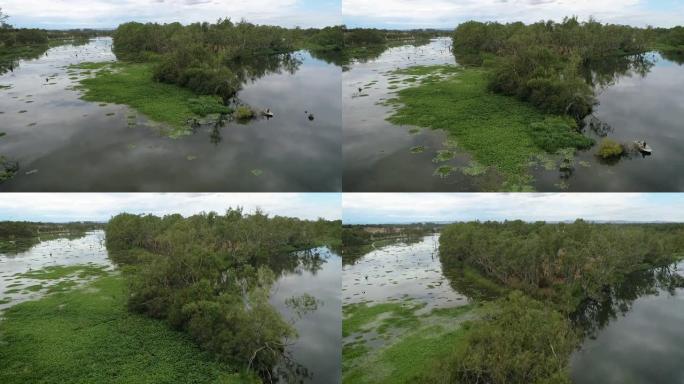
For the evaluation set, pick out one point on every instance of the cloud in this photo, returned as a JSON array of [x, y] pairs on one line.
[[110, 13], [416, 207], [61, 207], [449, 13]]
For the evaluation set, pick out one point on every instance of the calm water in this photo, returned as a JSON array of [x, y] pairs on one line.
[[636, 333], [401, 271], [639, 100], [643, 101], [318, 348], [65, 144], [88, 249]]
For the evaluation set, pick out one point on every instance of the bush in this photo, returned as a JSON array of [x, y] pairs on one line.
[[244, 112], [518, 341], [610, 149], [556, 133]]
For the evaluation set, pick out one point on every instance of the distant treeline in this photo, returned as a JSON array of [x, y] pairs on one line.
[[543, 63], [25, 229], [11, 37], [546, 274], [358, 240], [207, 275]]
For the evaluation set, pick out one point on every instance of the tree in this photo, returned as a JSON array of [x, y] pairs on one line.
[[3, 20]]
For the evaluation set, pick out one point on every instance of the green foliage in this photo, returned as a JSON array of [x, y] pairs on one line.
[[132, 84], [555, 133], [207, 275], [518, 341], [87, 335], [206, 105], [541, 63], [494, 128], [610, 149], [244, 112], [562, 263], [60, 271]]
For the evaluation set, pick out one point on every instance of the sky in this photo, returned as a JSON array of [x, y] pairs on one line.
[[409, 14], [66, 207], [392, 208], [65, 14]]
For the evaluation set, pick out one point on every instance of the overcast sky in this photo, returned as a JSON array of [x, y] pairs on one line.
[[371, 208], [64, 207], [63, 14], [405, 14]]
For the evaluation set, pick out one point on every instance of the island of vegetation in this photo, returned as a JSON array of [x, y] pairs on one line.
[[184, 75], [189, 302], [522, 92]]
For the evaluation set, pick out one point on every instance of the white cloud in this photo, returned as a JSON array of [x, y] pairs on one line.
[[110, 13], [394, 207], [448, 13], [101, 206]]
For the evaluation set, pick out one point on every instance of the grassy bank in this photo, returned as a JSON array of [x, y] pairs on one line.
[[132, 84], [88, 335], [499, 131], [396, 342]]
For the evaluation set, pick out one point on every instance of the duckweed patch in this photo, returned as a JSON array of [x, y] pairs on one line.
[[417, 149], [132, 84], [88, 335], [499, 131]]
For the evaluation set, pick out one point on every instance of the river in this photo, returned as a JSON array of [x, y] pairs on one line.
[[63, 143]]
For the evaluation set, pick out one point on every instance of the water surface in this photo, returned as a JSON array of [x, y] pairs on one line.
[[318, 348], [636, 334], [401, 271], [63, 143]]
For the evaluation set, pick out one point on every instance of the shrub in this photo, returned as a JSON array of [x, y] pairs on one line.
[[610, 149], [244, 112], [519, 340]]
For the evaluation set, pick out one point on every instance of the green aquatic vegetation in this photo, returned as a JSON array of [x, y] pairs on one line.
[[496, 129], [474, 169], [244, 113], [13, 290], [2, 86], [443, 155], [584, 163], [563, 185], [444, 171], [207, 105], [414, 131], [132, 85], [6, 300], [110, 114], [191, 157], [408, 355], [61, 271], [417, 149], [62, 286], [34, 288], [393, 86], [556, 132], [88, 335], [358, 316], [610, 149], [256, 172]]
